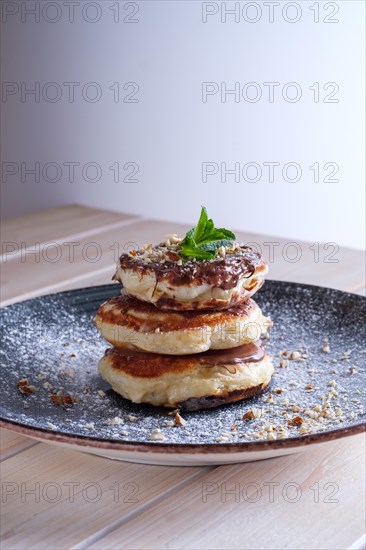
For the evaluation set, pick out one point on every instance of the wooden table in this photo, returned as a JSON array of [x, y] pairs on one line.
[[171, 508]]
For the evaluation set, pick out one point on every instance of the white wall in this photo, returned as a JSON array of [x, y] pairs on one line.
[[170, 131]]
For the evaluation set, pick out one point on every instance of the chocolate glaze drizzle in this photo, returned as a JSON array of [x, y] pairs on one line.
[[222, 273]]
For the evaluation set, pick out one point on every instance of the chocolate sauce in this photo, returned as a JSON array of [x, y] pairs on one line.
[[223, 273], [249, 353]]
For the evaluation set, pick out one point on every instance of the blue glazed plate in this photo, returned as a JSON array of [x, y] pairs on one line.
[[51, 342]]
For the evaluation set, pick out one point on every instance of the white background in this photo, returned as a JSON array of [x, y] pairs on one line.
[[169, 51]]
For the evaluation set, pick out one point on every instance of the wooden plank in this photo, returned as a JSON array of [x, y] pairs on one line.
[[105, 492], [55, 225], [316, 263], [317, 501], [33, 274], [12, 443]]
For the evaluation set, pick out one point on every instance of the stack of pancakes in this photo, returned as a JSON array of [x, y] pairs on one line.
[[185, 332]]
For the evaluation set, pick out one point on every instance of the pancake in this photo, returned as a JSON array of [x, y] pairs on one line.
[[160, 276], [193, 382], [126, 322]]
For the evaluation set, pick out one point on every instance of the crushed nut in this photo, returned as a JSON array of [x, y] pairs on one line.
[[115, 421], [172, 256], [24, 387], [296, 421], [64, 399], [156, 435], [173, 413], [179, 421], [326, 348], [222, 438]]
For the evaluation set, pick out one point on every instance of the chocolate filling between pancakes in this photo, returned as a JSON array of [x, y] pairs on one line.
[[148, 365]]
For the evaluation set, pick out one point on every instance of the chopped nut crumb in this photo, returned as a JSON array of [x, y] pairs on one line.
[[326, 347], [115, 421], [156, 435], [64, 399], [101, 393], [296, 421], [221, 438], [90, 426], [179, 421], [310, 413], [24, 387], [173, 413], [253, 413]]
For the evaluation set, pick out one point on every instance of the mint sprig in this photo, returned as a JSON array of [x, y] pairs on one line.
[[203, 241]]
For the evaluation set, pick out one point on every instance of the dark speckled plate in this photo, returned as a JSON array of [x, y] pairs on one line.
[[314, 398]]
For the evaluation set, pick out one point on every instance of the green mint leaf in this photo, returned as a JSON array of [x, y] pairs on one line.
[[188, 239], [217, 235], [215, 245], [204, 240], [196, 252], [201, 226]]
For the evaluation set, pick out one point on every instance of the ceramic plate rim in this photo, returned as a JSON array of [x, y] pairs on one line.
[[182, 448]]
